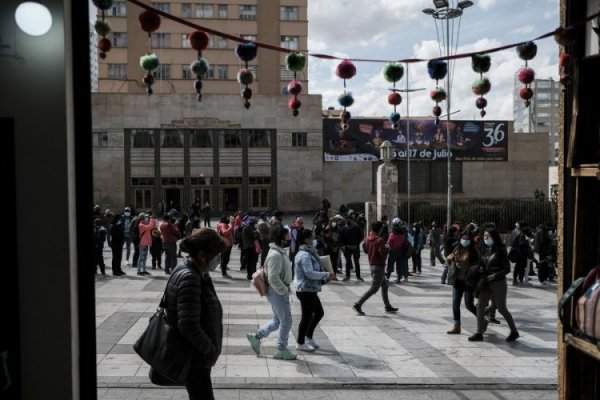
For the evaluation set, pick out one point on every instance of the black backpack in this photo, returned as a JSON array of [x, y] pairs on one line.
[[237, 235]]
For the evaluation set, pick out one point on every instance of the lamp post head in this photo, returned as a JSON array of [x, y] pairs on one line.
[[429, 11], [386, 151], [440, 3], [464, 4]]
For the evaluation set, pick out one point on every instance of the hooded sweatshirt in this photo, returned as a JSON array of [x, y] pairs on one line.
[[377, 251]]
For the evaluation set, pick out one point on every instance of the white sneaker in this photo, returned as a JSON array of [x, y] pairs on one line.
[[312, 343], [305, 347], [127, 262]]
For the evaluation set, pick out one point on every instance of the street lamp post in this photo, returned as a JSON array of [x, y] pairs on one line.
[[446, 11]]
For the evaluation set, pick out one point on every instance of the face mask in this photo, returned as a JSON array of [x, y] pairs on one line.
[[127, 213], [313, 243], [333, 224], [146, 220], [465, 243], [489, 242], [214, 263]]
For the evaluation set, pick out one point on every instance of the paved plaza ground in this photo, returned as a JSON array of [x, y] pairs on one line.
[[407, 355]]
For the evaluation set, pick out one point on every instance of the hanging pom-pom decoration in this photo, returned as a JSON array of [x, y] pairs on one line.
[[246, 52], [102, 27], [526, 51], [345, 70], [199, 41], [149, 22], [437, 69], [565, 36], [481, 64], [393, 72], [295, 62], [563, 62]]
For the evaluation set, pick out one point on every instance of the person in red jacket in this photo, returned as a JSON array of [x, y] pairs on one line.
[[377, 251]]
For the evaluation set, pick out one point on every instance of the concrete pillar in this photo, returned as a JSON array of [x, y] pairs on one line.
[[387, 185], [370, 214]]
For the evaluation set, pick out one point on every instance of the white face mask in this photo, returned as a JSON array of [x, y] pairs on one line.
[[489, 242], [314, 243], [127, 213], [214, 263], [465, 242]]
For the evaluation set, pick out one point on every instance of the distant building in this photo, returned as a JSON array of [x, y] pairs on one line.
[[93, 50], [542, 113]]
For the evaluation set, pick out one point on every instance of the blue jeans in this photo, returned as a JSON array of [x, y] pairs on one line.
[[458, 289], [127, 247], [282, 318], [141, 265]]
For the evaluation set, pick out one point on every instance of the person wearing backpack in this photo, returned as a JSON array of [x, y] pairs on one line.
[[279, 276]]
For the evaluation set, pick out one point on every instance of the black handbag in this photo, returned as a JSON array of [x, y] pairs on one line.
[[164, 349]]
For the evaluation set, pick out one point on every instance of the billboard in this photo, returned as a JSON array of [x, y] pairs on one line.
[[469, 140]]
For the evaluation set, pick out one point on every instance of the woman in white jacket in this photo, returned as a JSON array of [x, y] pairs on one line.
[[279, 276]]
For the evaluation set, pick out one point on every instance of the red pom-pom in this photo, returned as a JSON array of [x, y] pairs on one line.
[[294, 87], [198, 40], [345, 69], [294, 104], [149, 21], [394, 98], [564, 60], [247, 94], [104, 45], [526, 93], [437, 111], [482, 113], [481, 103], [526, 75]]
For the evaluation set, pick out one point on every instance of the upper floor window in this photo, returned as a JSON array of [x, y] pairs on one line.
[[100, 139], [186, 10], [285, 74], [258, 138], [222, 11], [290, 42], [186, 72], [289, 13], [231, 140], [163, 72], [171, 139], [119, 39], [143, 139], [201, 139], [217, 42], [299, 139], [185, 43], [117, 71], [251, 38], [118, 9], [247, 12], [204, 11], [223, 72], [161, 40], [164, 7]]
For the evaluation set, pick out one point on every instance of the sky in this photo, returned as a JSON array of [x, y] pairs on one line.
[[398, 29]]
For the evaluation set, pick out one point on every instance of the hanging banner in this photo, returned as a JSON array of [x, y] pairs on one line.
[[469, 140]]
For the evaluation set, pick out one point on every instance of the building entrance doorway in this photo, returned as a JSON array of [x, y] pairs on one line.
[[173, 199], [231, 199]]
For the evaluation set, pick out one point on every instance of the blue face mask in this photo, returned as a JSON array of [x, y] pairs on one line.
[[489, 242], [465, 242]]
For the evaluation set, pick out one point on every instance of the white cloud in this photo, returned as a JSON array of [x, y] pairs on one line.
[[486, 4], [523, 30]]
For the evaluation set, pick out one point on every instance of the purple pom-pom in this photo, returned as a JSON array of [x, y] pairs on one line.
[[345, 69], [246, 51], [437, 69]]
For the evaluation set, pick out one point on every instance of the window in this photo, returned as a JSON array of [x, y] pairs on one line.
[[143, 140], [199, 181], [117, 71], [230, 180], [290, 42], [171, 139], [258, 138], [142, 181], [210, 74], [259, 198], [251, 38], [186, 10], [100, 139], [201, 194], [254, 69], [284, 74], [118, 9], [119, 39], [142, 199], [259, 180], [201, 139], [222, 11], [161, 40], [185, 43], [164, 7], [163, 72], [299, 139], [186, 72], [204, 11], [430, 177], [231, 140], [222, 43], [289, 13], [223, 72], [247, 12]]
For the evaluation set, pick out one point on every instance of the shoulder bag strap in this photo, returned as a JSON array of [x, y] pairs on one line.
[[565, 299]]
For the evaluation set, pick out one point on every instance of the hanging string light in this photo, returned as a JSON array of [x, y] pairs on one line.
[[393, 72], [246, 52], [149, 22], [481, 64], [199, 41], [526, 51], [102, 27], [437, 70], [295, 62], [345, 70]]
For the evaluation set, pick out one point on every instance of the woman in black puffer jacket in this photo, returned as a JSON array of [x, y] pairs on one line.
[[495, 263], [194, 308]]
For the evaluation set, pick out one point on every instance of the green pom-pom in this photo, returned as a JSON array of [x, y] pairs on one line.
[[481, 63], [393, 72], [200, 67], [149, 62], [102, 28], [295, 62]]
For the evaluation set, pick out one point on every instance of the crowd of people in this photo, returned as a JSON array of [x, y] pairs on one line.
[[474, 260]]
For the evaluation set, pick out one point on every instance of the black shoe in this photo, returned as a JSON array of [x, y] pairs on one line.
[[346, 279], [358, 308], [141, 273], [493, 320], [390, 309], [397, 281], [358, 278], [478, 337], [146, 273], [513, 336]]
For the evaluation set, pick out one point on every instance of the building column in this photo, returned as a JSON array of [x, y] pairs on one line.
[[127, 165], [274, 169], [216, 180], [187, 178], [244, 203], [156, 191]]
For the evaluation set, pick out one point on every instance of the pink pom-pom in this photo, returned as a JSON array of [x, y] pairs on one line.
[[294, 104], [526, 75], [345, 69], [294, 87], [564, 60]]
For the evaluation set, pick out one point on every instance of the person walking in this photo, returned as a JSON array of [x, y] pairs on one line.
[[495, 267], [225, 230], [377, 251], [308, 277], [396, 242], [419, 243], [435, 243], [279, 276], [351, 238], [520, 242], [194, 310]]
